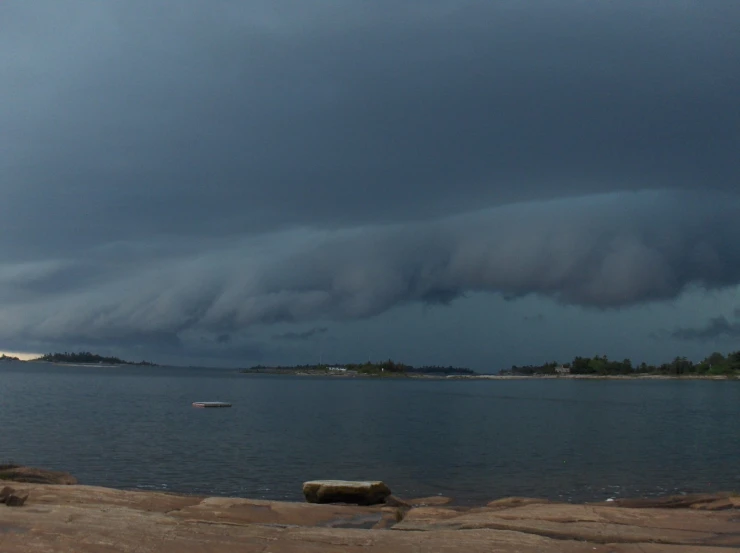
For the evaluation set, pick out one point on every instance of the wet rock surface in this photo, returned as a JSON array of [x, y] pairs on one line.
[[86, 519]]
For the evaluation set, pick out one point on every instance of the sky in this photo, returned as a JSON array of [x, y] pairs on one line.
[[451, 182]]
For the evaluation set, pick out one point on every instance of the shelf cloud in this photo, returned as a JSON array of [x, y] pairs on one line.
[[181, 173]]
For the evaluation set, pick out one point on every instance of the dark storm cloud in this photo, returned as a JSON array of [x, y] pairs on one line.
[[140, 118], [178, 171], [600, 252], [301, 336], [717, 327]]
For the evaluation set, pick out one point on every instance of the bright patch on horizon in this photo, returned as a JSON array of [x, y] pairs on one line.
[[20, 355]]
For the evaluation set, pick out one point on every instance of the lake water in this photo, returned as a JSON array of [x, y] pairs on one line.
[[472, 440]]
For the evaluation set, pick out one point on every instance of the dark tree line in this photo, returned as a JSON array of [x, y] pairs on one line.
[[85, 357], [389, 366], [717, 364]]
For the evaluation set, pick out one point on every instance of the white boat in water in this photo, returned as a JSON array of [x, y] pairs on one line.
[[204, 404]]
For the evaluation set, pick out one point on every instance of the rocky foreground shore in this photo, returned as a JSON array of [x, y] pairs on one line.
[[87, 519]]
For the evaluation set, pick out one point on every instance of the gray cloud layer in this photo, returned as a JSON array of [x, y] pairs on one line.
[[175, 169], [599, 252], [717, 327], [309, 334], [176, 118]]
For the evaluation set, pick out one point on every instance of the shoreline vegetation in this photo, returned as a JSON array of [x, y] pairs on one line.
[[87, 358], [716, 366], [384, 369]]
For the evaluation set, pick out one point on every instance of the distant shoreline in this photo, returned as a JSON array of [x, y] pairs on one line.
[[402, 375], [100, 365], [592, 377], [85, 358], [73, 364], [297, 372]]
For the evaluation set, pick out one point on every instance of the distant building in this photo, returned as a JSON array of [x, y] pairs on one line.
[[562, 371], [337, 369]]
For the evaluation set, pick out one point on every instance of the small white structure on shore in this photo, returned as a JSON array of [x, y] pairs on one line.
[[561, 371], [337, 369]]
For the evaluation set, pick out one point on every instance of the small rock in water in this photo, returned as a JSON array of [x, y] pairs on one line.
[[344, 491]]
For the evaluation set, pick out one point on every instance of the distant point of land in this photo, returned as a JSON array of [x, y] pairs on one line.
[[4, 357], [87, 358], [388, 368]]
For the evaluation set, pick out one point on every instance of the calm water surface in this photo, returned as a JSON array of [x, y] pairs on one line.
[[475, 440]]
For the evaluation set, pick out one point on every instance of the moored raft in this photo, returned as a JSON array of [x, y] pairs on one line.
[[207, 404]]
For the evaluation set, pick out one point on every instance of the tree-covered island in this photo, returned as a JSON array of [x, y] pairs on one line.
[[87, 358], [387, 368]]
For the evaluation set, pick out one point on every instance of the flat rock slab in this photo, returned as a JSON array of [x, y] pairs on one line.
[[81, 519], [669, 502], [508, 502], [718, 504], [595, 524], [105, 497], [346, 491], [18, 473], [434, 500], [280, 513]]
